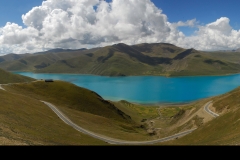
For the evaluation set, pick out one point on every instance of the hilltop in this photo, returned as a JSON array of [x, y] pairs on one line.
[[125, 60], [7, 77]]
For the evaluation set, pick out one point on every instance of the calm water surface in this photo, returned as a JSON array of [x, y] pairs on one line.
[[149, 89]]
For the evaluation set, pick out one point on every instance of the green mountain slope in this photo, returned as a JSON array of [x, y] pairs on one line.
[[65, 93], [7, 77], [124, 60], [158, 49], [229, 56], [35, 123], [103, 62], [223, 130], [27, 121], [12, 57], [121, 59], [32, 62], [198, 63]]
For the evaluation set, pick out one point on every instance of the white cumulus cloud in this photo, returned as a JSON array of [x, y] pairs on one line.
[[214, 36]]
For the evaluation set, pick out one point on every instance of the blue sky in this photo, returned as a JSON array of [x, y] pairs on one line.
[[205, 11], [199, 24], [12, 10]]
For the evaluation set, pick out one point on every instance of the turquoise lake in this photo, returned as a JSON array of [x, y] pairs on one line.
[[149, 89]]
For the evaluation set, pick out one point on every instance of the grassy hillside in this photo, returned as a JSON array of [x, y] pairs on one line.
[[223, 130], [27, 121], [158, 49], [229, 56], [124, 60], [145, 59], [32, 62], [12, 57], [101, 63], [65, 93], [202, 64], [7, 77], [25, 124], [117, 60], [85, 108], [166, 120]]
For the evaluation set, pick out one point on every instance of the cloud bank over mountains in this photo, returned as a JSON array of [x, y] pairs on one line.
[[91, 23]]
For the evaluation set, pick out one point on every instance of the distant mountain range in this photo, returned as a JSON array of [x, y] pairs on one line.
[[234, 50], [124, 60], [56, 50]]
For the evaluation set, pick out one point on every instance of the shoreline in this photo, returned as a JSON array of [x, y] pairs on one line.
[[142, 102], [228, 74], [163, 104]]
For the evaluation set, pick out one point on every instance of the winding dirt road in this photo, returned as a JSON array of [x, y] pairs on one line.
[[108, 139], [206, 108], [117, 141], [1, 87]]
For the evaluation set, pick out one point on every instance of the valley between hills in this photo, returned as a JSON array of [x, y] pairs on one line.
[[26, 120]]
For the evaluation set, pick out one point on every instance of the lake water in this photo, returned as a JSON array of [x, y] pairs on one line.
[[149, 89]]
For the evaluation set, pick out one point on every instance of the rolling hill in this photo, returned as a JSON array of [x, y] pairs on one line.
[[172, 119], [7, 77], [31, 62], [223, 130], [25, 120], [124, 60], [71, 95]]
